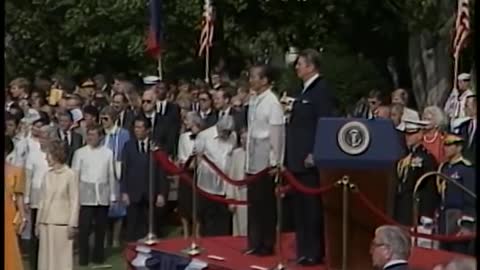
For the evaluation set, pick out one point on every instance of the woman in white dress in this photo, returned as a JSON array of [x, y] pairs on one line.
[[236, 171], [58, 209]]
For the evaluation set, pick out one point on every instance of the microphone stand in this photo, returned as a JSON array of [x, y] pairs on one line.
[[194, 249], [151, 238]]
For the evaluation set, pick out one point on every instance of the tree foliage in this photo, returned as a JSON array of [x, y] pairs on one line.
[[80, 36]]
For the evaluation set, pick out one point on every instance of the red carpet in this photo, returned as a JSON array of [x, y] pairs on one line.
[[230, 248]]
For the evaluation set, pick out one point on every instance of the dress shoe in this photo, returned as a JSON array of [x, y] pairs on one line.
[[251, 251], [265, 252], [300, 260], [310, 262]]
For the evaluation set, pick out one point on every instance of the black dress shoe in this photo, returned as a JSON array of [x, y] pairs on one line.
[[251, 251], [310, 262], [300, 260], [265, 252]]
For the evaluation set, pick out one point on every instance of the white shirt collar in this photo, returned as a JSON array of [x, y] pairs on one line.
[[226, 111], [394, 262], [112, 130], [150, 115], [206, 113], [310, 81]]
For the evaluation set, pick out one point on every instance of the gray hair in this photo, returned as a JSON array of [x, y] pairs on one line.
[[438, 116], [397, 239], [226, 123], [195, 119], [462, 264]]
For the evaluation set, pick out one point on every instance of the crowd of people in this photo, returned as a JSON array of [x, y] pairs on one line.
[[78, 159]]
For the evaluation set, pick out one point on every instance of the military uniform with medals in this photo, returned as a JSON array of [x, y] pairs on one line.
[[409, 169], [457, 208]]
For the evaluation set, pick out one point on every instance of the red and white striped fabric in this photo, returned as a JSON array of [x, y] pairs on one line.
[[206, 36], [462, 26]]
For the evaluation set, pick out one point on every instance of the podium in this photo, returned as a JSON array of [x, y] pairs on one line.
[[365, 153]]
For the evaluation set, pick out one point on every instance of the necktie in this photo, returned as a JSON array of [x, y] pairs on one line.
[[222, 113], [119, 121], [160, 108], [65, 137], [142, 147]]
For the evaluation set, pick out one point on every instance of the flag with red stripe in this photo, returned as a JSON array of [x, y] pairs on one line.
[[462, 26], [206, 36], [155, 41]]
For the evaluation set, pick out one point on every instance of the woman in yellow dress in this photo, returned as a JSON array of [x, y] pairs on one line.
[[14, 211]]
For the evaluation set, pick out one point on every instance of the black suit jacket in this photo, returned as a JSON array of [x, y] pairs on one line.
[[166, 129], [468, 150], [210, 119], [135, 174], [76, 142], [398, 266], [315, 102], [128, 120]]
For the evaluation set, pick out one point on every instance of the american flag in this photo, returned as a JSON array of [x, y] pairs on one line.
[[462, 26], [206, 36]]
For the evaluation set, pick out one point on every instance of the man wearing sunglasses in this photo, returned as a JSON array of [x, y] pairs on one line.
[[206, 112]]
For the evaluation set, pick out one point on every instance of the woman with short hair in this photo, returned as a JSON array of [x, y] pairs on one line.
[[433, 135], [58, 210]]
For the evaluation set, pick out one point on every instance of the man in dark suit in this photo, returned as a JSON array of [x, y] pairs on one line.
[[125, 115], [206, 112], [222, 103], [390, 249], [134, 183], [167, 125], [469, 130], [72, 140], [315, 100]]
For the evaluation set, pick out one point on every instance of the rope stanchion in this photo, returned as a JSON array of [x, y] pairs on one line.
[[443, 238], [233, 182], [300, 187]]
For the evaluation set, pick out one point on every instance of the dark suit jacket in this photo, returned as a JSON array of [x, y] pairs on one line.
[[76, 142], [468, 150], [315, 102], [128, 120], [166, 129], [135, 174], [399, 266], [211, 119]]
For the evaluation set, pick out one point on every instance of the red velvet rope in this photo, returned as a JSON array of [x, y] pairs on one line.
[[300, 187], [238, 183], [379, 213], [185, 177], [171, 168]]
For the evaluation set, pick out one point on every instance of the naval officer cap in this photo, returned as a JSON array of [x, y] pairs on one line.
[[464, 77], [151, 80], [414, 125], [452, 139]]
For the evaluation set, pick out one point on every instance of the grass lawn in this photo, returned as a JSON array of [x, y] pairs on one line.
[[114, 256]]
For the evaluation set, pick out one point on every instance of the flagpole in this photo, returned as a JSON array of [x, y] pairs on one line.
[[160, 67], [455, 69], [207, 64]]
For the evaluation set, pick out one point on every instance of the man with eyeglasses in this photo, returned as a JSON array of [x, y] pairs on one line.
[[115, 139], [206, 112], [125, 115], [390, 249]]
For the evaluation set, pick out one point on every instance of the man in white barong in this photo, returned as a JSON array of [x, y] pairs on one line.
[[94, 166], [265, 148], [215, 143]]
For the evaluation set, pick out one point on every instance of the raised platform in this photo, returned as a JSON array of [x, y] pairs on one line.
[[230, 249]]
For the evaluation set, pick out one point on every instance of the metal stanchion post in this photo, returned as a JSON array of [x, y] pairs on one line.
[[151, 238], [281, 265], [194, 249], [345, 182]]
